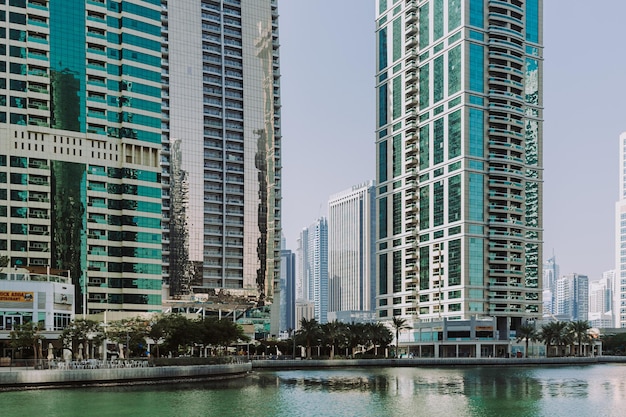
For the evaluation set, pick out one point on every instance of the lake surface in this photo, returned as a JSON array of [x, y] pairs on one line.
[[593, 390]]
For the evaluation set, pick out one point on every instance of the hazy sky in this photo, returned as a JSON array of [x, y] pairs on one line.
[[327, 65]]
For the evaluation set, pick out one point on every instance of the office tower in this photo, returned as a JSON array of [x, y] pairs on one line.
[[304, 310], [302, 266], [619, 284], [80, 110], [600, 301], [287, 290], [550, 275], [459, 160], [572, 297], [221, 147], [313, 267], [351, 249]]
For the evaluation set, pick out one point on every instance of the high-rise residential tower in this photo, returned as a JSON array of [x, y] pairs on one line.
[[619, 283], [312, 275], [601, 300], [221, 141], [550, 276], [459, 160], [80, 110], [351, 250], [572, 297], [141, 142]]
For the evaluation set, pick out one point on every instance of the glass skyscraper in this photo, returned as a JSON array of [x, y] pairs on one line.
[[141, 143], [221, 147], [459, 160], [80, 107]]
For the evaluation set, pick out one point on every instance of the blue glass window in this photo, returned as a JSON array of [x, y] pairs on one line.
[[477, 13], [476, 132], [382, 105], [476, 197], [532, 21], [477, 68], [382, 49], [382, 161]]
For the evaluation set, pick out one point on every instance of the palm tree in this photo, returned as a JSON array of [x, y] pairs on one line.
[[333, 331], [399, 324], [381, 336], [579, 332], [357, 335], [554, 334], [309, 330], [527, 333]]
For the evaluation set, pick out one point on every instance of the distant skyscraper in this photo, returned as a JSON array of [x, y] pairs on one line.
[[550, 276], [459, 159], [351, 249], [302, 266], [619, 284], [221, 145], [304, 310], [287, 290], [572, 297], [600, 301], [313, 267], [80, 144]]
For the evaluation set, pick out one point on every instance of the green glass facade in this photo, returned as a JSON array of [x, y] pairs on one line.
[[83, 116], [471, 179]]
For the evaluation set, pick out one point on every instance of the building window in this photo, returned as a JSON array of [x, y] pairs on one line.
[[382, 218], [454, 199], [424, 26], [382, 274], [424, 207], [454, 262], [424, 147], [424, 268], [438, 203]]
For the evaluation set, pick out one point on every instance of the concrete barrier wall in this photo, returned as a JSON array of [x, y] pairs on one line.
[[24, 378], [434, 362]]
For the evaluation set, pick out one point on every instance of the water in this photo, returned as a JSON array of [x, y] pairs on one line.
[[594, 390]]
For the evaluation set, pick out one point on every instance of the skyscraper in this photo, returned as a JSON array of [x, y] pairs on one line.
[[619, 283], [572, 297], [550, 276], [600, 301], [142, 144], [79, 147], [351, 249], [221, 141], [459, 160], [287, 290], [312, 274]]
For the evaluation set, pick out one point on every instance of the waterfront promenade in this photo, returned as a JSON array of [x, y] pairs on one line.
[[28, 378], [431, 362], [12, 378]]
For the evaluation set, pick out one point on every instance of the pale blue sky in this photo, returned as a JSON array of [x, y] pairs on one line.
[[327, 85]]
